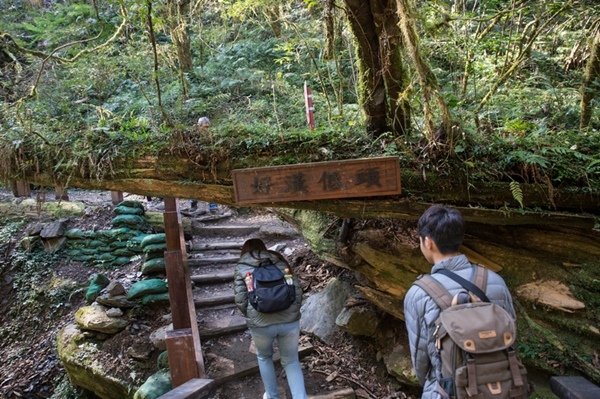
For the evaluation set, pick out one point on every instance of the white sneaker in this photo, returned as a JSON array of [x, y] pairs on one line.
[[265, 396]]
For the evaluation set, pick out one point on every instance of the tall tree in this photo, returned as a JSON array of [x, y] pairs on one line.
[[178, 11], [374, 24], [592, 72], [427, 80]]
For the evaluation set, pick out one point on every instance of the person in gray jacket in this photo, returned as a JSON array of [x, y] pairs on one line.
[[283, 326], [441, 231]]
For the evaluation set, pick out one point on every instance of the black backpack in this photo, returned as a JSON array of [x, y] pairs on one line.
[[271, 291]]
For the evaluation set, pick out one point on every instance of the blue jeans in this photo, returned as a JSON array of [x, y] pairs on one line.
[[287, 335]]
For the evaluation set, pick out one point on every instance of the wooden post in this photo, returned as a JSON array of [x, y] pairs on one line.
[[180, 343], [60, 194], [183, 310], [21, 188], [117, 197]]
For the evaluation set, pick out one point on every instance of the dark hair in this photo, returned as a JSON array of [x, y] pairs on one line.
[[444, 225], [256, 244], [253, 244]]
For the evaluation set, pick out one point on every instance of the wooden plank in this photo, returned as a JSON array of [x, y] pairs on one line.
[[116, 197], [181, 298], [252, 367], [320, 180], [195, 388], [183, 367]]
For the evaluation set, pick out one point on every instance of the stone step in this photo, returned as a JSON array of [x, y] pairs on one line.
[[209, 332], [223, 231], [214, 300], [211, 246], [197, 261], [251, 367], [215, 277]]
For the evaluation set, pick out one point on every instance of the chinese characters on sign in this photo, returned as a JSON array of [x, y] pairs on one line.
[[320, 180]]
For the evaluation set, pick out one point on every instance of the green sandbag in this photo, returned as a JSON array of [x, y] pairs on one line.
[[156, 299], [162, 362], [83, 258], [159, 238], [121, 260], [154, 266], [128, 210], [156, 385], [97, 283], [123, 252], [89, 251], [120, 244], [104, 249], [74, 251], [131, 204], [106, 257], [74, 234], [147, 287], [132, 221], [115, 234], [154, 247], [154, 255], [95, 243]]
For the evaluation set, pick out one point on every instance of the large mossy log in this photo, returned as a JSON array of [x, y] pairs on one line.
[[529, 259], [414, 200]]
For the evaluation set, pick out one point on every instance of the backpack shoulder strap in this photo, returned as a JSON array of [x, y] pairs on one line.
[[435, 290], [480, 277], [466, 284]]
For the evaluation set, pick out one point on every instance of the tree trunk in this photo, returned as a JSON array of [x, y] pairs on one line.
[[273, 14], [178, 15], [427, 79], [393, 71], [372, 85], [592, 72]]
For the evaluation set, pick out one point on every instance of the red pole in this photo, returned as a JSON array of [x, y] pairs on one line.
[[308, 101]]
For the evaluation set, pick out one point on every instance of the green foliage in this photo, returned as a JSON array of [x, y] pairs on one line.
[[103, 110], [516, 192]]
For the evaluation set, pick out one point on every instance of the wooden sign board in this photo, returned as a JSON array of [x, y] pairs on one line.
[[320, 180]]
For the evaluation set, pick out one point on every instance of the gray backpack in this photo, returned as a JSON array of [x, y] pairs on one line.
[[475, 341]]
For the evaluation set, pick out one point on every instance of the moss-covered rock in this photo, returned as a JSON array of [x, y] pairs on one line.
[[79, 358], [94, 318]]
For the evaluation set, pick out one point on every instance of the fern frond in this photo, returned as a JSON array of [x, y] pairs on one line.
[[517, 192]]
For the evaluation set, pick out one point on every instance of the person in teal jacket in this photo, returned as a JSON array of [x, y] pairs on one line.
[[283, 326]]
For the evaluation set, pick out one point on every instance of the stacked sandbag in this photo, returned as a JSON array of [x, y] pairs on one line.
[[106, 247], [112, 247], [130, 214], [153, 247]]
